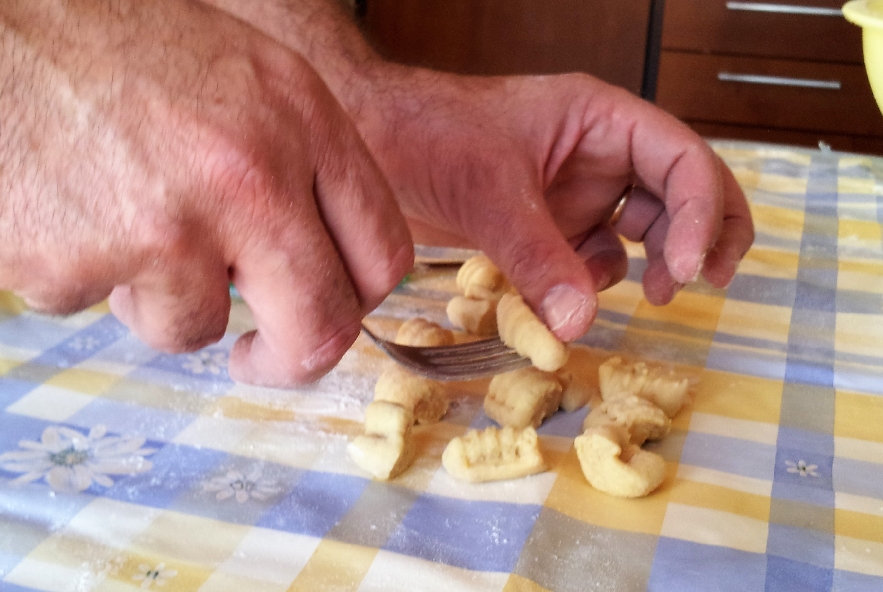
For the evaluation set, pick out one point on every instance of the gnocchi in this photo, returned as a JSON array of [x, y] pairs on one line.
[[521, 330], [576, 392], [522, 398], [421, 332], [619, 379], [641, 419], [479, 278], [494, 455], [425, 398], [474, 315], [385, 449], [612, 465]]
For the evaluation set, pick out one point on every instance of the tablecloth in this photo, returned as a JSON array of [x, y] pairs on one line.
[[124, 468]]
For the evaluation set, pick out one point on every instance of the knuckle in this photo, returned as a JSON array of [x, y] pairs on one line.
[[176, 340], [63, 293], [58, 303], [232, 161], [188, 330]]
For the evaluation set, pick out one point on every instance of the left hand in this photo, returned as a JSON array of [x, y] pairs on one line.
[[529, 170]]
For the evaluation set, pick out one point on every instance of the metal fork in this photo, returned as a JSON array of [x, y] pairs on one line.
[[465, 361]]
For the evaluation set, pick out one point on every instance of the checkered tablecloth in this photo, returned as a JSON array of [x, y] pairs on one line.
[[122, 468]]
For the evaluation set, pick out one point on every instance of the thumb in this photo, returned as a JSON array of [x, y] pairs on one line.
[[554, 281]]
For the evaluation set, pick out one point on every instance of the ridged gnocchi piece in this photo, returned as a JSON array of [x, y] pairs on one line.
[[576, 391], [426, 398], [421, 332], [384, 418], [494, 455], [612, 465], [385, 449], [522, 398], [641, 419], [521, 330], [478, 277], [474, 315], [619, 379]]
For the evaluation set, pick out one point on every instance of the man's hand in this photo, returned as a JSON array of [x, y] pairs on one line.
[[529, 169], [156, 151]]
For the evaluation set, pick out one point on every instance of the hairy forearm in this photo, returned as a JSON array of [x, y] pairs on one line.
[[22, 121]]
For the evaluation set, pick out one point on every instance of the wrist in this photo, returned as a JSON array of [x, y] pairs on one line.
[[379, 96], [321, 31]]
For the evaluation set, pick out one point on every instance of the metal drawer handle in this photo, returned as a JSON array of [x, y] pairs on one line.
[[779, 80], [784, 8]]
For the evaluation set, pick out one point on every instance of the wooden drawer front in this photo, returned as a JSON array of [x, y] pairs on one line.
[[606, 38], [769, 29], [694, 87]]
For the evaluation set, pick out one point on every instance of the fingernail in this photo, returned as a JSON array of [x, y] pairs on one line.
[[699, 265], [603, 281], [568, 312], [685, 271]]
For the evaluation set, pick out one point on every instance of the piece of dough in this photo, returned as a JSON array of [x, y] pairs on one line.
[[522, 398], [420, 332], [474, 315], [494, 455], [619, 379], [386, 449], [521, 330], [479, 278], [577, 392], [641, 419], [612, 465], [425, 398]]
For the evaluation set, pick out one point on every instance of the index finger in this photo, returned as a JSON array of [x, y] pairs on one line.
[[707, 210], [736, 236]]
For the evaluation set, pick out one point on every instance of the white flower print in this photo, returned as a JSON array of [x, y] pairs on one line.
[[159, 575], [70, 461], [211, 362], [801, 468], [87, 343], [240, 487]]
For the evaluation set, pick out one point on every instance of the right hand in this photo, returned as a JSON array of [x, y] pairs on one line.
[[156, 151]]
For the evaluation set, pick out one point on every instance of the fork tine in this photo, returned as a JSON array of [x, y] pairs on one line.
[[469, 348], [465, 361], [488, 349], [463, 371], [459, 368], [490, 357]]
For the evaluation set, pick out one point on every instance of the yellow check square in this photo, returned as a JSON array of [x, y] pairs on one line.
[[858, 416], [755, 321], [739, 396]]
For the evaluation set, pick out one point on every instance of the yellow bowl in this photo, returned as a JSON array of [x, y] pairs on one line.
[[868, 14]]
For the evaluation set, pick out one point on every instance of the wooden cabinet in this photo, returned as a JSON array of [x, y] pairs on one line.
[[779, 72], [607, 38]]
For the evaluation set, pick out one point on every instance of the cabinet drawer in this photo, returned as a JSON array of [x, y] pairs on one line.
[[799, 29], [606, 38], [789, 94]]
